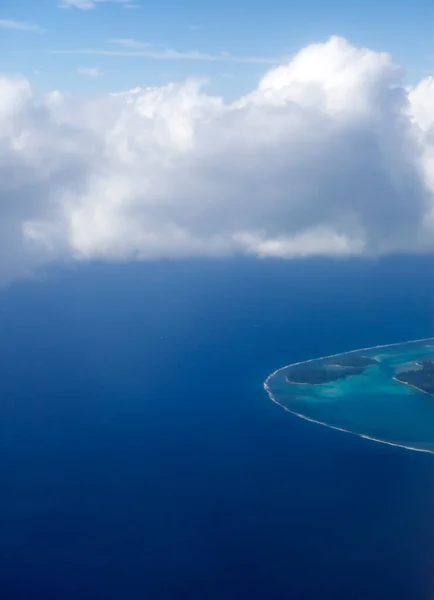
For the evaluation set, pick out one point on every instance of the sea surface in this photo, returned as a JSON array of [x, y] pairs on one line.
[[141, 458]]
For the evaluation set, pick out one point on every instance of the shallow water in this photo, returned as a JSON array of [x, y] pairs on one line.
[[371, 404]]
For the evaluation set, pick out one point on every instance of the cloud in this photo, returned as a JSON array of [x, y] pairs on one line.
[[89, 71], [145, 50], [330, 155], [129, 43], [89, 4], [20, 26]]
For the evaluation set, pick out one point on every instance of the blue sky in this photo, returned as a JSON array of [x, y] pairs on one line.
[[273, 30]]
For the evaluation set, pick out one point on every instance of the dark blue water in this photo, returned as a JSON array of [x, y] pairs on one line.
[[141, 458]]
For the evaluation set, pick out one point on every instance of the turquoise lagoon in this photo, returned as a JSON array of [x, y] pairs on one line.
[[371, 404]]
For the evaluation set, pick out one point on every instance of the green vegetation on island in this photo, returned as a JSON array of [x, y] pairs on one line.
[[422, 378], [336, 368], [353, 361]]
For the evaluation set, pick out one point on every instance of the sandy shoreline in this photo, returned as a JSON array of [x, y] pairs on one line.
[[412, 386], [302, 382]]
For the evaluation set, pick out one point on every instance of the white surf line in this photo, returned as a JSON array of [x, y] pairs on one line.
[[361, 435]]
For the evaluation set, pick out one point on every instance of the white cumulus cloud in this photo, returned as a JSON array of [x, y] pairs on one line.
[[330, 155]]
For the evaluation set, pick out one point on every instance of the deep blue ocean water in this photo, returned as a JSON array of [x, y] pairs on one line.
[[141, 458]]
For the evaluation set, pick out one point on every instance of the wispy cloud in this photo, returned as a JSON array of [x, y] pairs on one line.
[[131, 6], [144, 50], [89, 4], [20, 26], [129, 43], [89, 71]]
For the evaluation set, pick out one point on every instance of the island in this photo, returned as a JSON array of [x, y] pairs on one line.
[[383, 393], [354, 361], [421, 378], [339, 367]]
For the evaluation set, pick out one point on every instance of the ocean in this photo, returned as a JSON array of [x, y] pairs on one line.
[[140, 457]]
